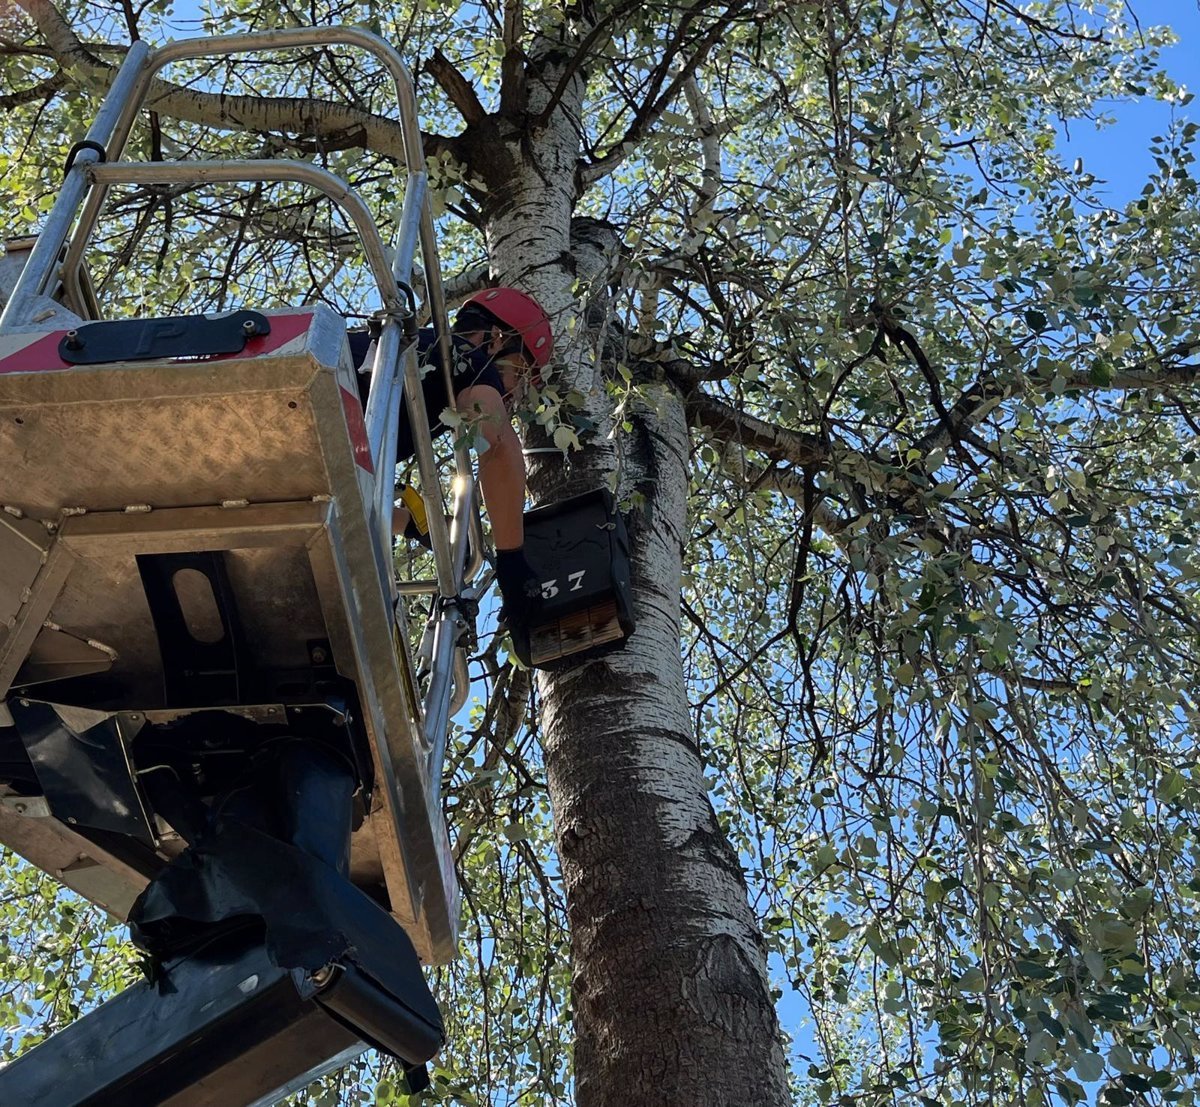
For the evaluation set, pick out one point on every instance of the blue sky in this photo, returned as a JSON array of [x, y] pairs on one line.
[[1118, 153]]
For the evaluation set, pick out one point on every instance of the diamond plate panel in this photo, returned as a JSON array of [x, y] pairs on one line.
[[104, 600], [107, 455]]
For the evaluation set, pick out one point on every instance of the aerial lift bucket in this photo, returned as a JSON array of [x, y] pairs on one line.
[[203, 644]]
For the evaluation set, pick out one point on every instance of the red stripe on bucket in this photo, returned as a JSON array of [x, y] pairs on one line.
[[358, 429], [41, 355]]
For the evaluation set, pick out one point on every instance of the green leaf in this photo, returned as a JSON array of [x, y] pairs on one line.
[[1120, 1058], [972, 980], [1063, 878], [1171, 786], [565, 439], [1034, 970], [1114, 934], [1089, 1067], [836, 928]]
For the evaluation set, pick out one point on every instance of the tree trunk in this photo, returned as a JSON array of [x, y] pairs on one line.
[[671, 999]]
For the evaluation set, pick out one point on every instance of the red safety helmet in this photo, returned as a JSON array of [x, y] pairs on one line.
[[520, 312]]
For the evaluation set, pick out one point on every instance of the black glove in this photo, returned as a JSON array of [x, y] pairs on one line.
[[519, 586]]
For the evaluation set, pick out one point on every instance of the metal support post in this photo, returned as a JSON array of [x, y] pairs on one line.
[[268, 169], [224, 45]]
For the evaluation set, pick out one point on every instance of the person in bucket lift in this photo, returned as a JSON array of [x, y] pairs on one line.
[[501, 341]]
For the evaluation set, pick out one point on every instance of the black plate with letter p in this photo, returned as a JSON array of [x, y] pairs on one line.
[[176, 336]]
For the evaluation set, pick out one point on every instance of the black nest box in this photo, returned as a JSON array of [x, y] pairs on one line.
[[579, 549]]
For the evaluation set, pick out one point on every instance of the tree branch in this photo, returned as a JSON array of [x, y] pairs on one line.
[[458, 288], [582, 53], [504, 716], [710, 148], [1151, 373], [778, 443], [789, 484], [513, 89], [456, 87], [338, 126], [650, 113], [41, 91]]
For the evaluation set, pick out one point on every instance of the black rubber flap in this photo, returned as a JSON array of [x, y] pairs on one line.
[[190, 336], [83, 771], [312, 917]]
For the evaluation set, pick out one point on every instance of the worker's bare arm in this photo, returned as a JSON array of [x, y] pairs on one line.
[[501, 465]]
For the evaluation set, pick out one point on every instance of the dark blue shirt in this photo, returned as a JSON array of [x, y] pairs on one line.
[[472, 365]]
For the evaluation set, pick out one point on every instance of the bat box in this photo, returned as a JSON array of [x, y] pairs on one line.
[[579, 550]]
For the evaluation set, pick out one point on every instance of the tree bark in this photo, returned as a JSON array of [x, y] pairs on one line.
[[671, 999]]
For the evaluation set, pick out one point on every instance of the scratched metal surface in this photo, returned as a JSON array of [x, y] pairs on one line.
[[171, 433], [107, 454], [276, 599], [281, 619], [103, 599]]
